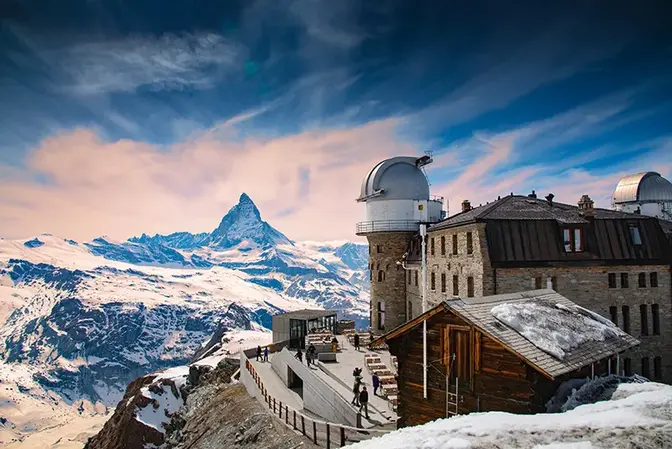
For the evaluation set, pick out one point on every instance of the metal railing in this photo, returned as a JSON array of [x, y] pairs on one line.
[[322, 433], [386, 226]]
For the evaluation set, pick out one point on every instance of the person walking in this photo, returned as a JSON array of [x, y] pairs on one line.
[[299, 355], [355, 390], [309, 357], [375, 381], [356, 342], [258, 352], [364, 402], [266, 354]]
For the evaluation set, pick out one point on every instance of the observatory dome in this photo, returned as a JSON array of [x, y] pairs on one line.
[[398, 178], [643, 187]]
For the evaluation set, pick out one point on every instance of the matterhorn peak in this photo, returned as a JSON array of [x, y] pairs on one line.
[[243, 222]]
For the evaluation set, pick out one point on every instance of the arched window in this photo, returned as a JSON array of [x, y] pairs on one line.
[[381, 275]]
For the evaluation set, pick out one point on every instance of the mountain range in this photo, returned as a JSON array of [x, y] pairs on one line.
[[79, 321]]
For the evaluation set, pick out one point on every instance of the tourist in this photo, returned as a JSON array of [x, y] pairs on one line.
[[334, 344], [266, 354], [309, 357], [355, 390], [364, 402], [356, 342], [375, 381], [258, 352], [299, 355]]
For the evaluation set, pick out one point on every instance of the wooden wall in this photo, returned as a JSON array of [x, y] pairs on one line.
[[500, 381]]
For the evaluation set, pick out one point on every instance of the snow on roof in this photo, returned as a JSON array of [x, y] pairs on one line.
[[635, 413], [555, 329], [589, 350]]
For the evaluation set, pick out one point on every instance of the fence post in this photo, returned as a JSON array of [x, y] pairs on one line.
[[286, 416], [328, 437], [280, 409], [303, 426], [342, 437], [274, 406], [314, 432], [294, 419], [359, 420]]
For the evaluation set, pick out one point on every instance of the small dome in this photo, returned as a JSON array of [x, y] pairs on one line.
[[643, 187], [398, 178]]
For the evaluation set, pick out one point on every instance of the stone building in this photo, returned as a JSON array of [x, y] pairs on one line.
[[611, 262]]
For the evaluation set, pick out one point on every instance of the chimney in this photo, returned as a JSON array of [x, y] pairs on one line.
[[466, 206], [532, 195], [586, 206], [638, 211], [549, 198]]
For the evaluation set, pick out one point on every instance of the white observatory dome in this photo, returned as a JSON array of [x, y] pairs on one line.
[[647, 193], [398, 178], [396, 193]]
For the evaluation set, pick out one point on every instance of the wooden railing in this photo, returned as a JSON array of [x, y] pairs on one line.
[[322, 433]]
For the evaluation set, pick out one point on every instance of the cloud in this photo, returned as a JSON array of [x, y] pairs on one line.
[[166, 62], [304, 184]]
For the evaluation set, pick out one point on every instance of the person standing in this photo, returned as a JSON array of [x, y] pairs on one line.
[[299, 355], [355, 390], [364, 402], [309, 357], [258, 352], [375, 381], [266, 354], [356, 342]]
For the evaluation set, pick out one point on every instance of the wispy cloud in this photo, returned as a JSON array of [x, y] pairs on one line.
[[165, 62]]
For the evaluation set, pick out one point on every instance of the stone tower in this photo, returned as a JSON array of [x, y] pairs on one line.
[[396, 193]]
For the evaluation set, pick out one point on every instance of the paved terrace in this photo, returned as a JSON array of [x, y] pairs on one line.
[[337, 376]]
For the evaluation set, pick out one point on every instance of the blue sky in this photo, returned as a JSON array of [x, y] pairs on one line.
[[169, 102]]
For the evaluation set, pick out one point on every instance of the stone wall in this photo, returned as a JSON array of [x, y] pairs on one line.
[[463, 265], [385, 250], [589, 287]]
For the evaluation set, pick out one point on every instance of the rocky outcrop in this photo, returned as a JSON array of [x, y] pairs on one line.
[[215, 414]]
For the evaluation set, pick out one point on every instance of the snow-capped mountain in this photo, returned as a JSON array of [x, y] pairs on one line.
[[79, 321]]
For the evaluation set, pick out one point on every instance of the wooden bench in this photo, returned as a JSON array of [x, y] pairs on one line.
[[326, 356]]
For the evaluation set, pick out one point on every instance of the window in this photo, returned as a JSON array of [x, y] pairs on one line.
[[431, 245], [381, 275], [408, 275], [641, 280], [443, 282], [443, 245], [655, 313], [456, 285], [554, 283], [379, 249], [657, 369], [613, 311], [470, 287], [627, 366], [625, 310], [645, 367], [410, 311], [653, 279], [644, 319], [470, 243], [454, 244], [416, 278], [432, 278], [537, 282], [612, 280], [381, 315], [370, 275], [624, 280], [573, 240], [636, 237]]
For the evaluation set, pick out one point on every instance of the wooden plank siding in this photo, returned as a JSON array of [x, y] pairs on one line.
[[498, 379]]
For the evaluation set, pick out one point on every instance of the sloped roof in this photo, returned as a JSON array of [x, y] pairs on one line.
[[478, 311], [518, 207]]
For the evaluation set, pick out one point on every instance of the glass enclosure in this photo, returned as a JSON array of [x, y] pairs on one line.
[[297, 334], [299, 328]]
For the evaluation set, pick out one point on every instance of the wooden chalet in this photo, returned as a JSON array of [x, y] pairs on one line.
[[476, 363]]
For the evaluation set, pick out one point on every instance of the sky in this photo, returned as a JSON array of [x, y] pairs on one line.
[[119, 117]]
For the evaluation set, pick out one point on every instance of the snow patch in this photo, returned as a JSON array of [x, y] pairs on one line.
[[557, 329]]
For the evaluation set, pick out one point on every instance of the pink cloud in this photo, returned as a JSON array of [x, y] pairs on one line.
[[127, 187]]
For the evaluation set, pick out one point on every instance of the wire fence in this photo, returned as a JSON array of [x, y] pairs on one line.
[[322, 433]]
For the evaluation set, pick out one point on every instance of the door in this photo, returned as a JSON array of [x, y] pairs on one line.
[[297, 334], [457, 354]]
